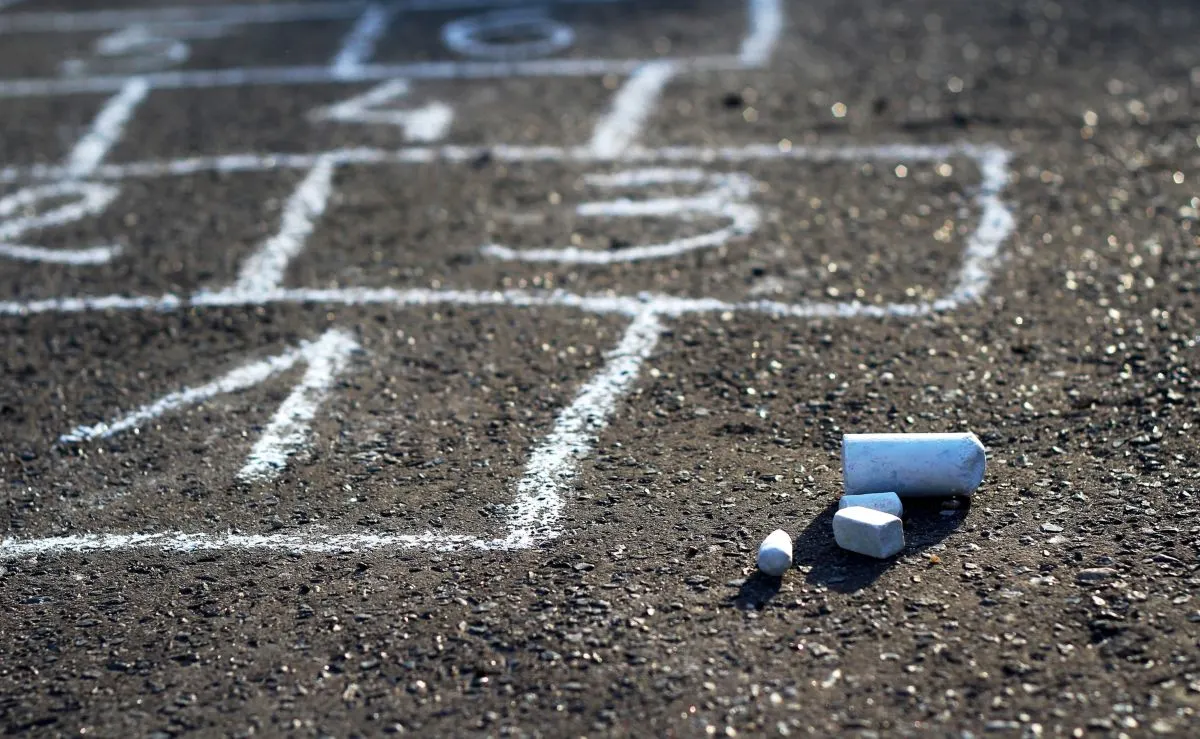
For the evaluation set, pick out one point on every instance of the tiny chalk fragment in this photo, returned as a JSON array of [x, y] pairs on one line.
[[775, 554]]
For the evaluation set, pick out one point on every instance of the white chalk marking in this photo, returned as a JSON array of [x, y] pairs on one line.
[[620, 128], [427, 123], [239, 379], [554, 463], [630, 305], [288, 431], [972, 280], [359, 45], [141, 49], [286, 434], [692, 155], [78, 257], [306, 541], [542, 35], [996, 222], [106, 130], [323, 74], [263, 271], [726, 200], [766, 26], [89, 199]]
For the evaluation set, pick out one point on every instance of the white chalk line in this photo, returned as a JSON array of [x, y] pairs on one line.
[[359, 45], [231, 14], [996, 222], [288, 430], [310, 541], [630, 305], [106, 130], [693, 155], [766, 26], [78, 257], [554, 463], [537, 508], [426, 123], [264, 270], [632, 106], [323, 74]]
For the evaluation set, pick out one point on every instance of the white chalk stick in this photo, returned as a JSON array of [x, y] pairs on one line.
[[887, 502], [775, 553], [912, 465], [870, 532]]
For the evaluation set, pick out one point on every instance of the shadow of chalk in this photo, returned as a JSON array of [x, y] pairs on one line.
[[847, 572], [757, 590]]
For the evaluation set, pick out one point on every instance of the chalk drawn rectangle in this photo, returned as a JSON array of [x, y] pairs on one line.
[[165, 235], [756, 28], [408, 438], [71, 59], [980, 247], [731, 231]]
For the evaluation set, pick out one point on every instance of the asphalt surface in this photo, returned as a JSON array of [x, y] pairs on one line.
[[1062, 600]]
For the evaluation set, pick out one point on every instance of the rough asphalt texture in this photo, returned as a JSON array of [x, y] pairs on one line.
[[1062, 601]]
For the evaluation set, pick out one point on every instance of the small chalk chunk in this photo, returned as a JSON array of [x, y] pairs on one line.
[[887, 502], [870, 532], [775, 553], [912, 465]]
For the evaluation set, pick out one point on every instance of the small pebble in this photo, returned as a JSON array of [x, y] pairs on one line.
[[913, 465], [886, 502], [775, 554], [866, 531]]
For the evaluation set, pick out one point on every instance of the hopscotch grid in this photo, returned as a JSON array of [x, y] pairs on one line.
[[572, 436], [552, 464]]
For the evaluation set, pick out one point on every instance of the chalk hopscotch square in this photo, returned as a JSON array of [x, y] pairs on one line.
[[613, 30], [696, 230], [407, 437], [127, 46], [195, 47]]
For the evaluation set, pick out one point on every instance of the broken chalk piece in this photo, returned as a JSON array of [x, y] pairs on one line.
[[775, 553], [870, 532], [886, 502], [912, 465]]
